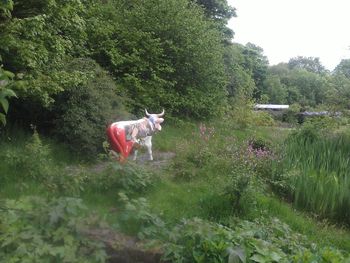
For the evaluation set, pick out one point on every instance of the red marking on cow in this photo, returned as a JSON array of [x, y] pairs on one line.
[[118, 142]]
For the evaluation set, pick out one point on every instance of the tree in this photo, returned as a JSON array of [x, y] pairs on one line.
[[257, 64], [310, 64], [310, 86], [160, 53], [164, 54], [220, 12], [302, 86], [343, 68], [338, 92], [275, 90], [42, 36], [241, 81]]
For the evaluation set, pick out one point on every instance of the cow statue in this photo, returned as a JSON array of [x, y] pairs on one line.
[[123, 136]]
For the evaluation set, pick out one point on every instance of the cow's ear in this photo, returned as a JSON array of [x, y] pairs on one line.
[[159, 120]]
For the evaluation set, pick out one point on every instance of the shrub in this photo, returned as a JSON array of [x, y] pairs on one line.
[[291, 115], [241, 114], [82, 112], [261, 118], [196, 240]]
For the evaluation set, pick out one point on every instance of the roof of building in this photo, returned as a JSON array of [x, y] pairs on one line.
[[271, 106]]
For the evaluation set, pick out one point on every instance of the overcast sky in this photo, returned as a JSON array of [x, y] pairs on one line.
[[291, 28]]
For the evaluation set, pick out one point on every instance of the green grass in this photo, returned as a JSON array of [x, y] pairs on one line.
[[14, 190], [102, 203], [177, 200], [166, 139], [198, 198]]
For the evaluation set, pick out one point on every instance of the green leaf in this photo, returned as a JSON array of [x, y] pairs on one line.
[[236, 255], [275, 256], [5, 104], [3, 118], [259, 258], [8, 93], [9, 74]]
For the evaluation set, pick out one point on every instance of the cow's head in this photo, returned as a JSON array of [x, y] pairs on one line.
[[155, 119]]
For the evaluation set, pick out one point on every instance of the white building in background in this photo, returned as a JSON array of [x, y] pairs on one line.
[[273, 107]]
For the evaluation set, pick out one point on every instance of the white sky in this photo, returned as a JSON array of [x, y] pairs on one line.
[[289, 28]]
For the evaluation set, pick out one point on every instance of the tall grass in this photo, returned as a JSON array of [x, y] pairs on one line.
[[322, 180]]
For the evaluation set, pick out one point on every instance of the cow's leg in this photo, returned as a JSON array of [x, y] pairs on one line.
[[135, 155], [148, 144]]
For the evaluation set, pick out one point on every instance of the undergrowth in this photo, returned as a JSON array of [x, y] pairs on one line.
[[212, 203]]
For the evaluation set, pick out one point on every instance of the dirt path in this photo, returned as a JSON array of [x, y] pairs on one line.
[[125, 249], [161, 161]]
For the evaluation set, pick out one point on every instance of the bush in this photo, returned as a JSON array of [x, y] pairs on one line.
[[261, 118], [242, 113], [82, 112], [292, 114]]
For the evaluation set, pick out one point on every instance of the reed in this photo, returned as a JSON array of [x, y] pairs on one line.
[[322, 184]]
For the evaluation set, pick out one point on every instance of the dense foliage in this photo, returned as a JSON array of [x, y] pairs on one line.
[[162, 53], [86, 106], [176, 55]]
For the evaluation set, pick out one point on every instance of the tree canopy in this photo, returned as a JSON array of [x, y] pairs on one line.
[[172, 54]]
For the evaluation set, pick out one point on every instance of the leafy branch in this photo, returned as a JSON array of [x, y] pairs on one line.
[[5, 93]]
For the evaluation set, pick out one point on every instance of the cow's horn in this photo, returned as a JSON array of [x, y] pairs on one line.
[[161, 114], [147, 113]]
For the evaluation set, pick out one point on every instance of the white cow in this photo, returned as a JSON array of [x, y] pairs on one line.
[[139, 132]]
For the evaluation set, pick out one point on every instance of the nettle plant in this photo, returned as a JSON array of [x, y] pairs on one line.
[[264, 240], [136, 217], [34, 229]]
